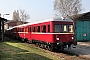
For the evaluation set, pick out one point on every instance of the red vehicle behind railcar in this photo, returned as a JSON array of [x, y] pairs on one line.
[[51, 34]]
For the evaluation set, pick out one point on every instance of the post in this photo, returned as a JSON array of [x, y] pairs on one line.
[[3, 26], [2, 30]]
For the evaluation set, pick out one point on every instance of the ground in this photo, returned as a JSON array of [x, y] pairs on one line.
[[16, 50]]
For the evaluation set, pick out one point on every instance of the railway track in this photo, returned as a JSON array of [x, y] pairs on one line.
[[81, 52], [67, 54]]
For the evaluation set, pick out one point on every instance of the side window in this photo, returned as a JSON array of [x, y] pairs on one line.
[[57, 28], [18, 29], [29, 29], [48, 28], [44, 29], [26, 29], [33, 29], [22, 29], [65, 28], [70, 28], [38, 28]]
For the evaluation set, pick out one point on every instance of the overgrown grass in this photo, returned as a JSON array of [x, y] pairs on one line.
[[14, 50]]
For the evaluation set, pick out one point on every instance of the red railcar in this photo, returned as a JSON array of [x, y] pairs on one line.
[[55, 33]]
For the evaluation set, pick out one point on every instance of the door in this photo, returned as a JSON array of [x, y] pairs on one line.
[[82, 31]]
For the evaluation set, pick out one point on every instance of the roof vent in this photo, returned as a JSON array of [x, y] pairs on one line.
[[63, 18]]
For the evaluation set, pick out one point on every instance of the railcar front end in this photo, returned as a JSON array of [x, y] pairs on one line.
[[64, 35]]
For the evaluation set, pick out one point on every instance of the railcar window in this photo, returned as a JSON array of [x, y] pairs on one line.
[[18, 29], [15, 30], [22, 29], [71, 28], [44, 29], [29, 29], [38, 28], [63, 28], [34, 29], [48, 28], [26, 30], [57, 28]]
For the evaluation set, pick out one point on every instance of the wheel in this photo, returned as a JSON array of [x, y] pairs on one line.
[[41, 45], [23, 40], [46, 47], [50, 48], [62, 48], [37, 44], [30, 42]]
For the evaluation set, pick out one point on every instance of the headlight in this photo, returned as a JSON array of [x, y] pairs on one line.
[[72, 37], [57, 38]]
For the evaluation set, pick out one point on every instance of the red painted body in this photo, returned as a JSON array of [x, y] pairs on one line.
[[30, 33], [46, 37]]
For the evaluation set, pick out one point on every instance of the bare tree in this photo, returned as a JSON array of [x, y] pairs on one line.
[[24, 16], [20, 16], [67, 7]]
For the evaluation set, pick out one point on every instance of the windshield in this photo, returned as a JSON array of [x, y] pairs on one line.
[[63, 28]]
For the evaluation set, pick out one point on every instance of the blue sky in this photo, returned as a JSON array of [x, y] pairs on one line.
[[37, 9]]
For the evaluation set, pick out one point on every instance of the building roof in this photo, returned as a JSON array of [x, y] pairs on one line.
[[83, 16], [9, 21]]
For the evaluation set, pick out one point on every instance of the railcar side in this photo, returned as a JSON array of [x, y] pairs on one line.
[[48, 34]]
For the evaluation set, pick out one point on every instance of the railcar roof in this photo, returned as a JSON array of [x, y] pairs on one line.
[[47, 20]]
